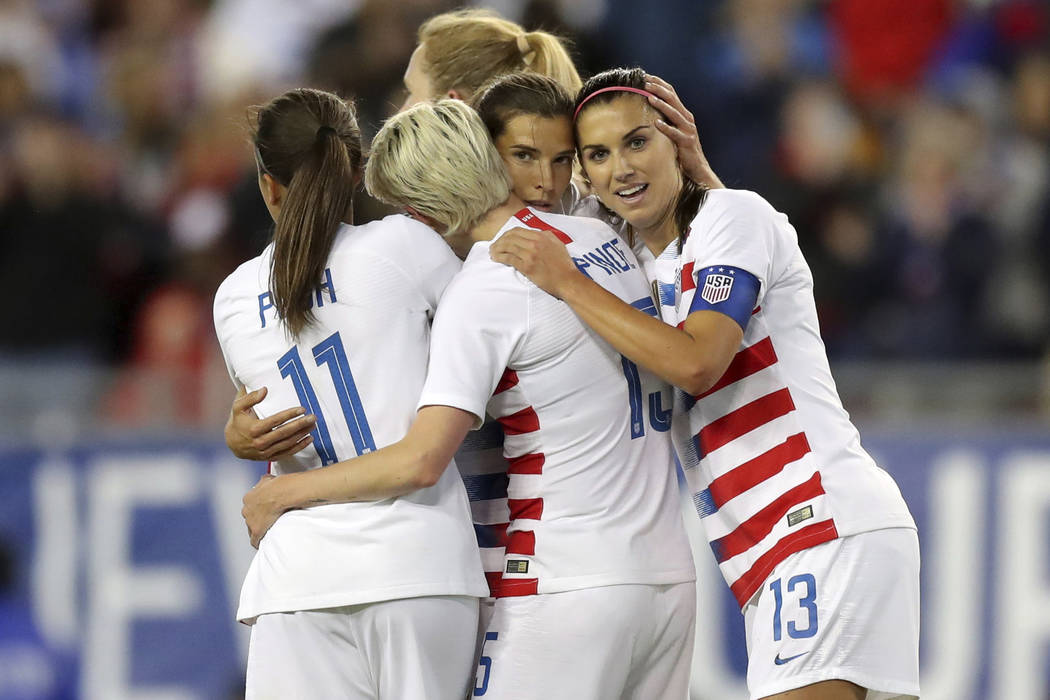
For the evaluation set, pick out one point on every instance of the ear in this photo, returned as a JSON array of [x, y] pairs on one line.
[[272, 191], [455, 94], [412, 213]]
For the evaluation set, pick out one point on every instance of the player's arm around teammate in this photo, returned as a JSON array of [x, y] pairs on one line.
[[800, 518], [368, 603], [415, 462]]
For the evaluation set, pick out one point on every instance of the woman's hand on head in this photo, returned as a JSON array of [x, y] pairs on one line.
[[262, 507], [538, 255], [267, 439], [679, 125]]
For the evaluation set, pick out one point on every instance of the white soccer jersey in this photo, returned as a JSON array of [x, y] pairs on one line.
[[359, 369], [772, 460], [592, 497]]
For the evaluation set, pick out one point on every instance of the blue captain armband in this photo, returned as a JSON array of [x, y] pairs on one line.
[[727, 290]]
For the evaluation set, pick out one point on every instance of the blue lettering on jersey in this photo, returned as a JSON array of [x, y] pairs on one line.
[[265, 302], [582, 266], [614, 252], [266, 299], [607, 257], [728, 290], [327, 284]]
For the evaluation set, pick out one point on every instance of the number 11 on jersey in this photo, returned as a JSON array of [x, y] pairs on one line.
[[329, 352]]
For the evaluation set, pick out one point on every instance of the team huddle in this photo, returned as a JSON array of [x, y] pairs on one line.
[[568, 267]]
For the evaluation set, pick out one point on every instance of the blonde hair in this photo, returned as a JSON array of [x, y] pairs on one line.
[[465, 49], [438, 159]]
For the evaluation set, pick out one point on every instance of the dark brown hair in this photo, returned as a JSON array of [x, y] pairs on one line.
[[515, 94], [307, 140], [692, 196]]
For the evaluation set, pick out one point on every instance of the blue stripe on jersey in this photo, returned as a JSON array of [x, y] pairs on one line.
[[719, 549], [646, 304], [485, 487], [689, 454], [666, 291], [728, 290], [705, 504], [488, 535], [687, 400]]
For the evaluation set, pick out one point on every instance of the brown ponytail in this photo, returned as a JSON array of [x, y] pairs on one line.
[[309, 141]]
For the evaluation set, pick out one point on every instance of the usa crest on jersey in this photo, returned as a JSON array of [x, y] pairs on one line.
[[716, 288]]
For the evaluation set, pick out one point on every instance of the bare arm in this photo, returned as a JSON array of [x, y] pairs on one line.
[[266, 439], [692, 358], [416, 461], [680, 126]]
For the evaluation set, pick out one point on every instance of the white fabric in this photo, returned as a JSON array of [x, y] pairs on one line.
[[393, 650], [864, 618], [777, 398], [631, 642], [387, 278], [598, 508]]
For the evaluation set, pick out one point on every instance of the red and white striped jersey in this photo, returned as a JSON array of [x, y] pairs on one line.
[[592, 493], [772, 460]]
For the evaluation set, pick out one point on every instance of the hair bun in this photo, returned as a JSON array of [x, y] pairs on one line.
[[325, 130]]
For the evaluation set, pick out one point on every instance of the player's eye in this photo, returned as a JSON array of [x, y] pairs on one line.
[[521, 155], [637, 142], [597, 155]]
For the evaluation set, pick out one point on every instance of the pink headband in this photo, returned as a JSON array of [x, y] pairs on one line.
[[614, 88]]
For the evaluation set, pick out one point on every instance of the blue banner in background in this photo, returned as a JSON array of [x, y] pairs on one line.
[[125, 564]]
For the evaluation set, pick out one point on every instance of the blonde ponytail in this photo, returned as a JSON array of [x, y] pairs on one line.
[[465, 49]]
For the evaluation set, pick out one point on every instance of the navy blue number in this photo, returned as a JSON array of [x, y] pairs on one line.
[[329, 351], [634, 397], [808, 602], [291, 366], [659, 418], [485, 661]]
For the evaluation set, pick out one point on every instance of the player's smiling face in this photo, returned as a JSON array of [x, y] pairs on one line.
[[632, 167], [538, 153]]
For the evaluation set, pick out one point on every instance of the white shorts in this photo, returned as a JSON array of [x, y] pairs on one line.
[[397, 649], [847, 610], [626, 641]]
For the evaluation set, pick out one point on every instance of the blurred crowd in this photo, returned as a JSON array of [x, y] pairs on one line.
[[907, 140]]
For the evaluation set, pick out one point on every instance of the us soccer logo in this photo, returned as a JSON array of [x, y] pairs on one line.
[[716, 288]]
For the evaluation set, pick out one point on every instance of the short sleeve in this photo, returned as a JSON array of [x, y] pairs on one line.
[[431, 262], [729, 253], [481, 321]]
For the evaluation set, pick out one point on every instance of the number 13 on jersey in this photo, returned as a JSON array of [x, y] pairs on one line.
[[329, 352]]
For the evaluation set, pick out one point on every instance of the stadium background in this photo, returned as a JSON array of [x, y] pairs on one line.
[[908, 140]]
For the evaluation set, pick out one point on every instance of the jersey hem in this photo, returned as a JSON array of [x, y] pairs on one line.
[[248, 614], [574, 583], [873, 526], [878, 684]]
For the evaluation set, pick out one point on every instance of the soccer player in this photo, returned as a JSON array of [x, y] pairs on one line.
[[456, 55], [597, 595], [358, 600], [812, 537]]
